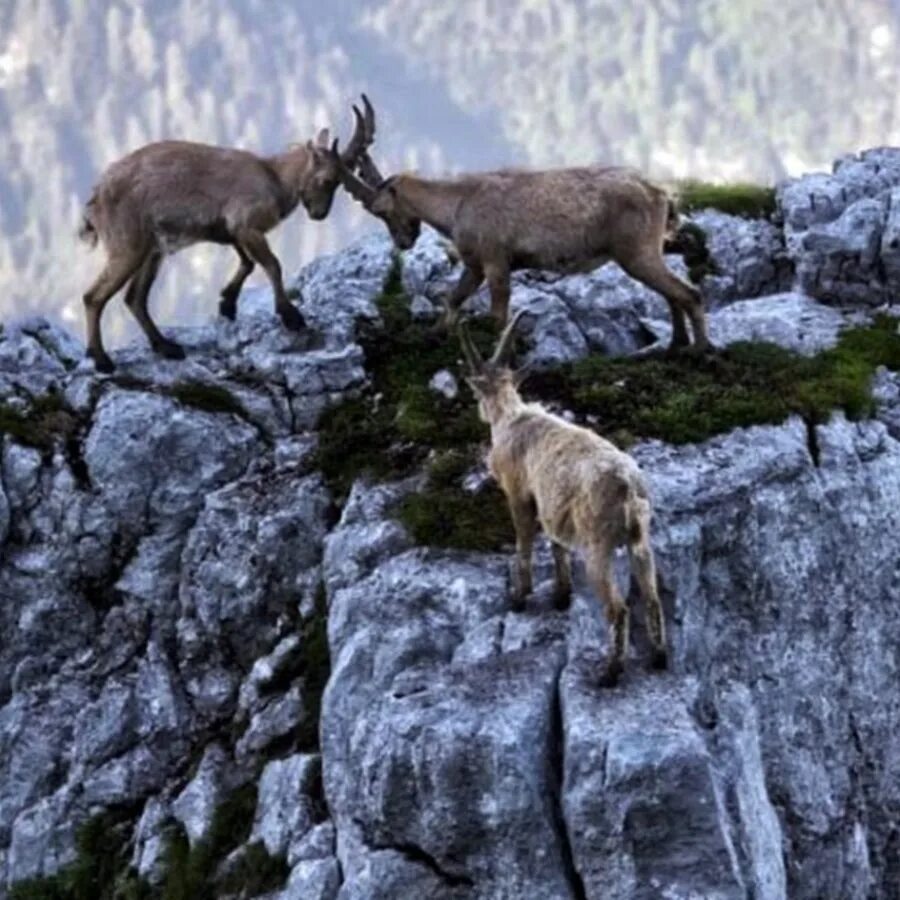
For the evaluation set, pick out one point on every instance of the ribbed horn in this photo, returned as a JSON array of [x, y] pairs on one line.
[[470, 351], [505, 344]]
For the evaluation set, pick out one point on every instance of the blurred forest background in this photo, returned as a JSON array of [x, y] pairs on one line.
[[716, 89]]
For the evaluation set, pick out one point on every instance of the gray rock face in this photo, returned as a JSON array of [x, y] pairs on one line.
[[750, 258], [840, 229], [163, 562]]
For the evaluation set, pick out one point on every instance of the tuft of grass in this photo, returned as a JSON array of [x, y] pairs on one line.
[[752, 201], [191, 872], [100, 871], [445, 515], [684, 400], [212, 398]]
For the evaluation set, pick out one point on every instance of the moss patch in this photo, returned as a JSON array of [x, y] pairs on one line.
[[100, 871], [445, 515], [191, 872], [46, 421], [752, 201], [212, 398], [749, 383], [390, 429]]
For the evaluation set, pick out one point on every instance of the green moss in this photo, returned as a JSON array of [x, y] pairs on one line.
[[445, 515], [684, 400], [100, 870], [389, 430], [254, 873], [752, 201], [46, 421], [211, 398], [191, 871]]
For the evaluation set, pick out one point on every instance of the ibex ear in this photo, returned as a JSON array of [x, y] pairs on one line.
[[322, 139]]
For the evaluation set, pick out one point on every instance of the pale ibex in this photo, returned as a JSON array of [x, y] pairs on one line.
[[171, 194], [563, 220], [584, 492]]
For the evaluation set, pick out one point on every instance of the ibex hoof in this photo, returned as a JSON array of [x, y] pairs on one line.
[[611, 675], [102, 362], [562, 599], [659, 660], [169, 350], [292, 318], [228, 309]]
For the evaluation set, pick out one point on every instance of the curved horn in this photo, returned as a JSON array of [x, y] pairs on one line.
[[368, 119], [470, 351], [505, 344], [355, 187], [363, 132]]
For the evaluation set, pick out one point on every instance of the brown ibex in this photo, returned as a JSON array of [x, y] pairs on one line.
[[563, 220], [171, 194], [584, 492]]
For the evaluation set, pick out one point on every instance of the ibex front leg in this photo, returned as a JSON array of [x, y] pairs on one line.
[[498, 282], [468, 283], [256, 246]]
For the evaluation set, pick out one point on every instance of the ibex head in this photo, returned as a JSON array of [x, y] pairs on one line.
[[493, 381], [380, 197], [318, 190]]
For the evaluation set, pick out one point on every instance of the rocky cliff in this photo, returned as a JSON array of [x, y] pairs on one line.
[[234, 662]]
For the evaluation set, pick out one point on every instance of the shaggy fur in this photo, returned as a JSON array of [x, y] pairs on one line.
[[582, 490]]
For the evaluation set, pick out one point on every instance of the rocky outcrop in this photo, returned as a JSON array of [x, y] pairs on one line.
[[175, 572], [841, 229]]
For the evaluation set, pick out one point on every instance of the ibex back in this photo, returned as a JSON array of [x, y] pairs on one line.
[[172, 194], [563, 220]]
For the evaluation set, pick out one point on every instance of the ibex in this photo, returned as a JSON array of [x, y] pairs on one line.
[[584, 492], [171, 194], [564, 220]]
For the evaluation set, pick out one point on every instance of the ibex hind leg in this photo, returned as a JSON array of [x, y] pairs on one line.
[[644, 570], [562, 591], [136, 299], [652, 271], [115, 274], [602, 577]]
